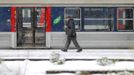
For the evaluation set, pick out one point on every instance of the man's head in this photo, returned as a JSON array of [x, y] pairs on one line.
[[69, 21], [69, 17]]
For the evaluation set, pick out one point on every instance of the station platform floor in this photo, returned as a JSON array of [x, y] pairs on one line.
[[44, 54], [37, 61]]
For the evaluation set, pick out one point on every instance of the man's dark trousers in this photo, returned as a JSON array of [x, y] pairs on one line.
[[73, 39]]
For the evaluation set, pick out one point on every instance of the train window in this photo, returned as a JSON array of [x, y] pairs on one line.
[[76, 13], [125, 19], [40, 17], [26, 16], [98, 19]]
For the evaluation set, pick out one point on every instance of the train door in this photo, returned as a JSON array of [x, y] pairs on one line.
[[31, 27]]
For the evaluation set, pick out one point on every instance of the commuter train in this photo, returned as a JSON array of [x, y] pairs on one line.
[[98, 24]]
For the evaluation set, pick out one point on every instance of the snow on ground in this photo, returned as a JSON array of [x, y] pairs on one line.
[[28, 67], [40, 67], [71, 54]]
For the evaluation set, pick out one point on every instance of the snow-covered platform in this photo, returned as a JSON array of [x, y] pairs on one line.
[[36, 62], [37, 54], [42, 67]]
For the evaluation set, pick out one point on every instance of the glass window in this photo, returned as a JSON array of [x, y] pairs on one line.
[[75, 13], [26, 14], [40, 17], [98, 19], [93, 13], [125, 19]]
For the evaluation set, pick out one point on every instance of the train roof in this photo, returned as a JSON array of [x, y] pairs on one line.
[[82, 3]]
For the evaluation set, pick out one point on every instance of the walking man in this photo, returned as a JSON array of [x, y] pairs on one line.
[[71, 35]]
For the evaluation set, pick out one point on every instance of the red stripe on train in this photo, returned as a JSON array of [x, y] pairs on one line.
[[48, 19], [13, 20]]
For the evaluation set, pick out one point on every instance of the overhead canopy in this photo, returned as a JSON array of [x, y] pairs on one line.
[[102, 3]]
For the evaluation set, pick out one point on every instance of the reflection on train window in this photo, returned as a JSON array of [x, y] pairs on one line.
[[40, 17], [125, 19], [26, 14], [75, 13], [77, 24], [98, 19]]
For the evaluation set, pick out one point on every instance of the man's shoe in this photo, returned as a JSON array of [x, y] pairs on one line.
[[79, 50], [64, 50]]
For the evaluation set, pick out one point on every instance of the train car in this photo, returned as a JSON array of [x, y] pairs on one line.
[[41, 24]]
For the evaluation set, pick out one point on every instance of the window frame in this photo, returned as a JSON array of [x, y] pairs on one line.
[[80, 18], [124, 19], [26, 24], [106, 26]]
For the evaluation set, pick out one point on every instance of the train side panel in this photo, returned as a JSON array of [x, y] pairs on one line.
[[97, 40], [5, 34], [120, 35], [111, 37]]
